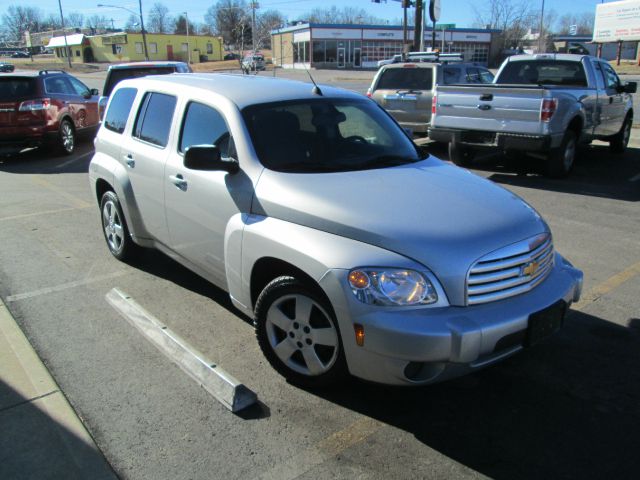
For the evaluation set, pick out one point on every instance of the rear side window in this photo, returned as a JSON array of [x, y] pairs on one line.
[[58, 85], [13, 88], [450, 75], [406, 79], [543, 72], [204, 125], [154, 118], [116, 75], [119, 108]]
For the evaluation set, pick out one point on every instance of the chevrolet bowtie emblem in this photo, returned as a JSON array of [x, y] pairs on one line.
[[529, 269]]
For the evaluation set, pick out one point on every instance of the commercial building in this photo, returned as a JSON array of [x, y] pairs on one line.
[[314, 45], [129, 47]]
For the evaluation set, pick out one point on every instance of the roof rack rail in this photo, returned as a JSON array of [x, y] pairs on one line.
[[434, 56], [44, 72]]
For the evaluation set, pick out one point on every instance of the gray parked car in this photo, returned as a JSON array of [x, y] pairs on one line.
[[352, 250]]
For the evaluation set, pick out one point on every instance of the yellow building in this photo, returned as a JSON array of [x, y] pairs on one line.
[[129, 47]]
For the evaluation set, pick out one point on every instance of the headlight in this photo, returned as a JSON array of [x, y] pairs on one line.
[[391, 286]]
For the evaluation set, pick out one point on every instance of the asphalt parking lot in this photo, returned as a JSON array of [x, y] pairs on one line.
[[568, 408]]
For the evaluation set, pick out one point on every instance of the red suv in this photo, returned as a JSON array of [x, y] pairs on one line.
[[46, 107]]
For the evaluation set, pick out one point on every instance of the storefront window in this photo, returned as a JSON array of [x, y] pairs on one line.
[[318, 51], [331, 51]]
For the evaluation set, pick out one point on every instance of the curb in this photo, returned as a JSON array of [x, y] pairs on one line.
[[31, 403]]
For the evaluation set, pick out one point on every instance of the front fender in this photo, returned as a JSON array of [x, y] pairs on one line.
[[250, 238]]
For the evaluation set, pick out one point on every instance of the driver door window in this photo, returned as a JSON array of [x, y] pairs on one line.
[[204, 125]]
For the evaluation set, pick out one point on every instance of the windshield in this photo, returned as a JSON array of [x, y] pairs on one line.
[[116, 75], [327, 135], [543, 72]]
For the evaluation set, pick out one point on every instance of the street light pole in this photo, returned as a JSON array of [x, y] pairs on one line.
[[540, 38], [186, 17]]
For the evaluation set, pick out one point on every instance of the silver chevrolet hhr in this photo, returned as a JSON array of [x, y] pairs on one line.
[[353, 251]]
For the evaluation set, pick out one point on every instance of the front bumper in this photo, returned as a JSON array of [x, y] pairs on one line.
[[503, 140], [414, 346]]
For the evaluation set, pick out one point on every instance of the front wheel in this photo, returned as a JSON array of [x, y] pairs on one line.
[[560, 161], [114, 227], [619, 142], [298, 334], [459, 154]]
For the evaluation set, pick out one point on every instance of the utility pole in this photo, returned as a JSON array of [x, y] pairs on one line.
[[418, 33], [254, 6], [144, 34], [66, 46], [186, 16], [405, 5], [540, 35]]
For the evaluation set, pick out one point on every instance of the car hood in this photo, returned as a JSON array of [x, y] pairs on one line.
[[441, 216]]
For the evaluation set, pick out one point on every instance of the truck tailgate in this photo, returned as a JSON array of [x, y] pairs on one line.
[[493, 108]]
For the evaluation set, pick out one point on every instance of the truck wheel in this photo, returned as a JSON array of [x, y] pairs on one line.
[[560, 161], [115, 228], [298, 334], [618, 143], [461, 155]]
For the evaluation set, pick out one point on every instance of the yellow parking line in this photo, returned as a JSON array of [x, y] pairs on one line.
[[349, 436], [75, 201], [607, 286]]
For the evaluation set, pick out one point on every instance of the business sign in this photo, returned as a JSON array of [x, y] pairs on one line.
[[114, 40], [382, 34], [617, 21], [573, 29], [337, 33], [434, 10], [301, 36]]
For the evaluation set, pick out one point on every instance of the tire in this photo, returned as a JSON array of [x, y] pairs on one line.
[[114, 228], [66, 138], [618, 143], [561, 160], [298, 334], [459, 154]]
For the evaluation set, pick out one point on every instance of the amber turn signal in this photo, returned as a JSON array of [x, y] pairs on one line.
[[358, 279], [359, 329]]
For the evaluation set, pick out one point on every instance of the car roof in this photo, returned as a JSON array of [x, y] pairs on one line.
[[167, 63], [242, 90], [35, 73], [430, 65]]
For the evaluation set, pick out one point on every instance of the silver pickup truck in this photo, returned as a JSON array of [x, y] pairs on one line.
[[543, 105]]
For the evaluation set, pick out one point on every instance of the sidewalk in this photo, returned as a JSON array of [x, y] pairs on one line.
[[40, 434]]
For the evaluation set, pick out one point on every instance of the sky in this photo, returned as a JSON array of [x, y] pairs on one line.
[[459, 12]]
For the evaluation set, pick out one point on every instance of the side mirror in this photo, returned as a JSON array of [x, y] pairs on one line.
[[207, 158], [94, 91], [630, 87]]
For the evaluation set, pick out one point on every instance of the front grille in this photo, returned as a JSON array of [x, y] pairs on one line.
[[510, 271]]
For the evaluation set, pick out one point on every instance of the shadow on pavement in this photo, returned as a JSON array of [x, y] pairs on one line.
[[568, 408], [41, 161], [596, 173], [35, 445]]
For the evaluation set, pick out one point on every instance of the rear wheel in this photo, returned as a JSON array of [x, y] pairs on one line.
[[560, 161], [619, 142], [66, 138], [459, 154], [298, 333]]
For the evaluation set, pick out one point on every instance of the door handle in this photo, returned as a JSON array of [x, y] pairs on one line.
[[130, 161], [179, 181]]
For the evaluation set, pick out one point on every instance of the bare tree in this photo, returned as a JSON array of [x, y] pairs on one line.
[[74, 19], [512, 17], [159, 19], [583, 22], [133, 24], [19, 19], [97, 22], [265, 22], [231, 20], [52, 22], [334, 14]]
